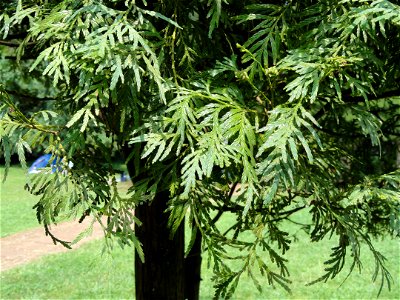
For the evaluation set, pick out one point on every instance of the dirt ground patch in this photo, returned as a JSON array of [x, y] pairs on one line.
[[29, 245]]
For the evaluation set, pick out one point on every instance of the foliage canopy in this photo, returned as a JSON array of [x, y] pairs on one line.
[[260, 109]]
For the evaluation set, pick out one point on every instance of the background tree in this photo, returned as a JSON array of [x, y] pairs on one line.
[[255, 109]]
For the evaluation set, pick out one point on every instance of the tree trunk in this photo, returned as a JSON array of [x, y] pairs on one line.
[[162, 274], [193, 270], [165, 274]]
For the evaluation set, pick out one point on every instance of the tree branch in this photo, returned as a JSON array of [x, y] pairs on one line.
[[387, 94], [55, 239], [22, 95], [225, 206], [351, 99], [287, 213], [15, 44]]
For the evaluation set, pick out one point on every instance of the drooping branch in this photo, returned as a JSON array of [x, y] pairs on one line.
[[22, 95], [55, 239], [384, 95], [15, 44], [359, 99], [225, 206]]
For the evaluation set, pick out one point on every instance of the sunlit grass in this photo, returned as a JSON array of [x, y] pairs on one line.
[[86, 273], [80, 274], [16, 203]]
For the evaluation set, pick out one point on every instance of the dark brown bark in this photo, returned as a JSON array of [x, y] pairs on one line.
[[162, 274], [166, 274], [193, 270]]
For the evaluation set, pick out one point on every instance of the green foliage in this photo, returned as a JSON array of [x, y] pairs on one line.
[[289, 106]]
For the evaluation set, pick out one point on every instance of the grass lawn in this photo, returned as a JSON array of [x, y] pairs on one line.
[[86, 273], [16, 203], [81, 274]]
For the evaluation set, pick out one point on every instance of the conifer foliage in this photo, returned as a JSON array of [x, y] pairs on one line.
[[256, 109]]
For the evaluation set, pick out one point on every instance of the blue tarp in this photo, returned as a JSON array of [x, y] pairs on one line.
[[43, 162]]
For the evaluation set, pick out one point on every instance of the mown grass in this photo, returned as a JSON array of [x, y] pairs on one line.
[[16, 203], [86, 273], [80, 274]]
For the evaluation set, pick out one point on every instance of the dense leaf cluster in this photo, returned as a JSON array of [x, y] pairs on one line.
[[255, 109]]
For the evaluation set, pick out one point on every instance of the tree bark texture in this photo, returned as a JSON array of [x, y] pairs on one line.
[[193, 270], [165, 274], [161, 276]]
